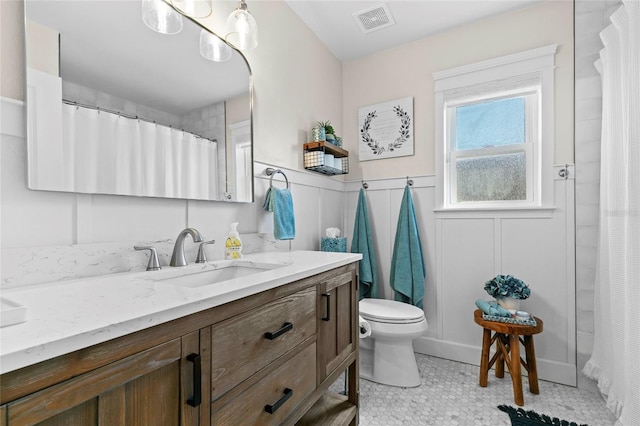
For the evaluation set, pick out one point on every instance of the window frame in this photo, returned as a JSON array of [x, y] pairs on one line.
[[524, 71]]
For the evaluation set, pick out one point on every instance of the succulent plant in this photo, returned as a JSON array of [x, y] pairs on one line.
[[326, 125]]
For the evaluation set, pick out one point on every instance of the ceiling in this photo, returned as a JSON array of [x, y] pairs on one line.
[[334, 24], [106, 46], [93, 46]]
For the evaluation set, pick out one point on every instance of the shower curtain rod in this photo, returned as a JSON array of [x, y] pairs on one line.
[[131, 117]]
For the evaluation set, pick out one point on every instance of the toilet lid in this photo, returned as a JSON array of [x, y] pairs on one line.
[[389, 311]]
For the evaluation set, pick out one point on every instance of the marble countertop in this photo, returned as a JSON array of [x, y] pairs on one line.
[[65, 316]]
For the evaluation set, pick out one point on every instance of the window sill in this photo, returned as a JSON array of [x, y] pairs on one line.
[[541, 212]]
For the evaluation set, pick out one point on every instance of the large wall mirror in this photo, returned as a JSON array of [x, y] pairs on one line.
[[116, 108]]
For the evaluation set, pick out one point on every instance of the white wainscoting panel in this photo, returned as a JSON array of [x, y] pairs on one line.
[[318, 203], [466, 261], [462, 250]]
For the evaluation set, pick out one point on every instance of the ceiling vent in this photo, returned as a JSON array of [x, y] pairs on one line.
[[374, 18]]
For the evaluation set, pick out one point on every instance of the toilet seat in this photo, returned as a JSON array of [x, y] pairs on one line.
[[390, 311]]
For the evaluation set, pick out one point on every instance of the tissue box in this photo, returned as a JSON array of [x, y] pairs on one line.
[[333, 244]]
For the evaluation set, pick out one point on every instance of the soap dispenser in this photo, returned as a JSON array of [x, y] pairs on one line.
[[233, 246]]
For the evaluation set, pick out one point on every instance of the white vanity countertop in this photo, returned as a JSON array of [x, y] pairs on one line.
[[65, 316]]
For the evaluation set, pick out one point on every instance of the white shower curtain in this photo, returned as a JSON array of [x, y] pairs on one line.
[[109, 153], [615, 362]]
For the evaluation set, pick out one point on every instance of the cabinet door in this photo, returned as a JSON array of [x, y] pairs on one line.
[[142, 389], [337, 321]]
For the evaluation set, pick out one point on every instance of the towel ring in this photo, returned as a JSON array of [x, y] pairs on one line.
[[272, 172]]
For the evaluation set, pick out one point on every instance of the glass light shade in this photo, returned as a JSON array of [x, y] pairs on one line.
[[212, 48], [194, 8], [242, 30], [161, 17]]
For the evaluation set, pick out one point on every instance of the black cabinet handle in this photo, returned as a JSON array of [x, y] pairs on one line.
[[327, 297], [273, 408], [272, 335], [197, 380]]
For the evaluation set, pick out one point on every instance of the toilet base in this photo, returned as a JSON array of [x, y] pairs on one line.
[[395, 364]]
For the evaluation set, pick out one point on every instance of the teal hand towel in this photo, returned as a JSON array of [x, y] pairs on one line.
[[280, 202], [492, 308], [362, 242], [407, 264]]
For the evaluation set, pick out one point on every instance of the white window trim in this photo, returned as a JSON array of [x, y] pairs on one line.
[[540, 61]]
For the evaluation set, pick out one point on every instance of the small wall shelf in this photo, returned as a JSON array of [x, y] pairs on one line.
[[326, 158]]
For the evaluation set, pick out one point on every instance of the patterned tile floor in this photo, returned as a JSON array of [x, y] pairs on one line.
[[450, 395]]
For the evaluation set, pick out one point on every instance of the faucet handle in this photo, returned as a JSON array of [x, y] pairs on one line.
[[153, 264], [202, 257]]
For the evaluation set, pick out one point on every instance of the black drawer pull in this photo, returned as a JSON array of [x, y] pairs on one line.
[[285, 327], [197, 380], [272, 408], [328, 300]]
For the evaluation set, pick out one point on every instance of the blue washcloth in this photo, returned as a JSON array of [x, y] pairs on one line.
[[492, 308], [280, 202], [407, 264], [362, 242]]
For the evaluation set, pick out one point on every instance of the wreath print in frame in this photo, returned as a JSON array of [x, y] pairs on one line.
[[386, 129]]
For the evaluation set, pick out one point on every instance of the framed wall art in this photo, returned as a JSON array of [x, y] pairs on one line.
[[386, 129]]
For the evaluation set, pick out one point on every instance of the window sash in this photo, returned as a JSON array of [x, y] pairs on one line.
[[530, 147]]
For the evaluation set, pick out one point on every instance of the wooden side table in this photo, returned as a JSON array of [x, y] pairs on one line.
[[507, 338]]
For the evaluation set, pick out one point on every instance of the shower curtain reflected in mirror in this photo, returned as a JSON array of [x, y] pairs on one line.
[[149, 159]]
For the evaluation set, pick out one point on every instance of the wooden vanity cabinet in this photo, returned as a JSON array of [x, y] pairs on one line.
[[142, 389], [266, 359]]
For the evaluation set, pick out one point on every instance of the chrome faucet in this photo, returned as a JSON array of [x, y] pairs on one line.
[[153, 264], [177, 258]]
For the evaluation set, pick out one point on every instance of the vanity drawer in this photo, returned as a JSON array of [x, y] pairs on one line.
[[274, 397], [248, 342]]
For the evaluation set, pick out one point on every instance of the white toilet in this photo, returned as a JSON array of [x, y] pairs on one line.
[[387, 355]]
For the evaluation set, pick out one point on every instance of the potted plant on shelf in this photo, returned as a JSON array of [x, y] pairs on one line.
[[328, 130], [507, 290]]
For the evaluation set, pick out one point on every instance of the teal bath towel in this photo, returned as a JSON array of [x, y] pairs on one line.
[[492, 308], [280, 202], [407, 264], [362, 242]]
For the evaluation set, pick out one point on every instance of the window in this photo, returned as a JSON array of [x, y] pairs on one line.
[[495, 132], [491, 144]]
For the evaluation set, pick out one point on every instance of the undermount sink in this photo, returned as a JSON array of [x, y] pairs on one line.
[[217, 272]]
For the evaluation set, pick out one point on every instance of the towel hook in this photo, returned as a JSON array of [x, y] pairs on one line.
[[272, 172], [365, 185], [409, 181]]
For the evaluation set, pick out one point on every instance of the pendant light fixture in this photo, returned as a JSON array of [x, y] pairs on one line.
[[241, 27], [213, 48], [193, 8], [242, 30], [161, 17]]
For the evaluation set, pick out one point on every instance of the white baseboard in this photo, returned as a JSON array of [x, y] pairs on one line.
[[552, 371]]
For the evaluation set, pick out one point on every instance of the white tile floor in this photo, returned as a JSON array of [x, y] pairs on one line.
[[450, 395]]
